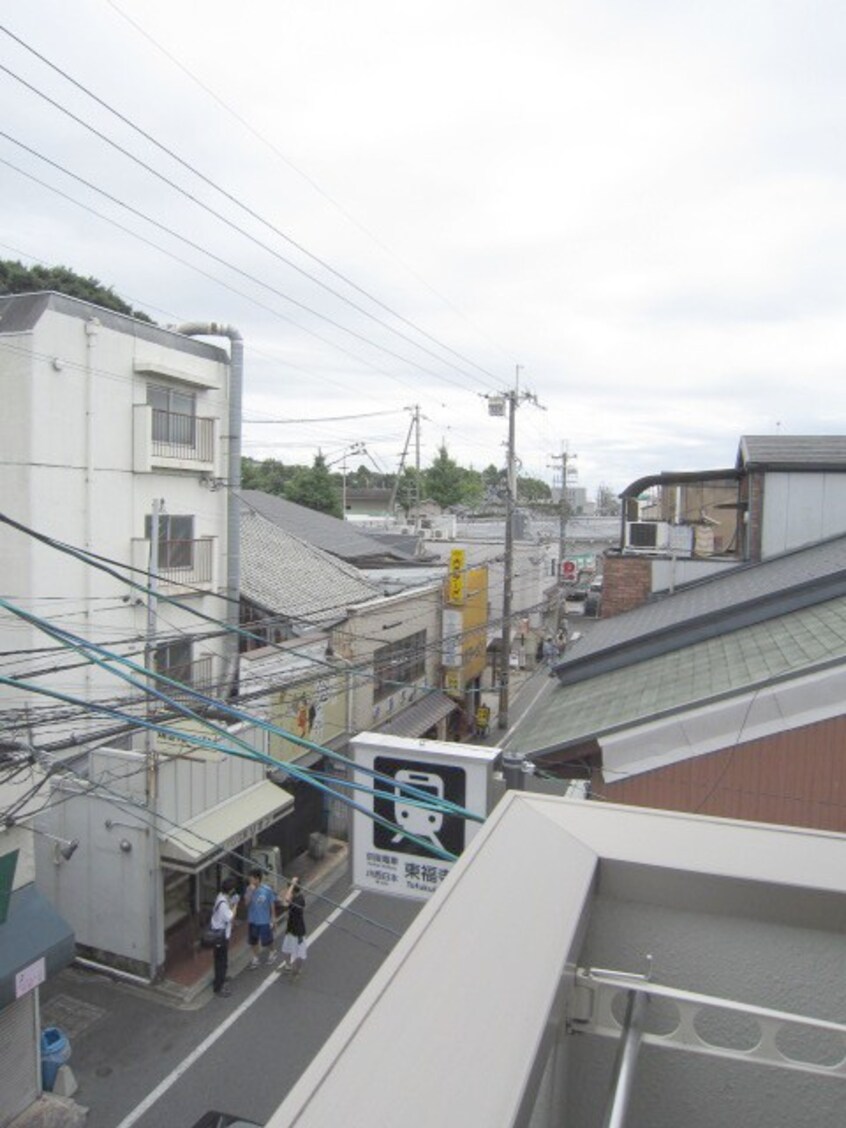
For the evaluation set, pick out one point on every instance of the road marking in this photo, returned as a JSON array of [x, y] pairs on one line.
[[219, 1031]]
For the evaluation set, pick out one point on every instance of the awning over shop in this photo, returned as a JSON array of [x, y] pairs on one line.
[[421, 716], [201, 840], [33, 931]]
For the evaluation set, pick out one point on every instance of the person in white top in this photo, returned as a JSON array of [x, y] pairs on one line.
[[222, 916]]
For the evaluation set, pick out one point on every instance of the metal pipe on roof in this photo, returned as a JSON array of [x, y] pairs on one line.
[[233, 478]]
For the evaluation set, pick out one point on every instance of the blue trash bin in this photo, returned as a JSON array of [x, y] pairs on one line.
[[55, 1051]]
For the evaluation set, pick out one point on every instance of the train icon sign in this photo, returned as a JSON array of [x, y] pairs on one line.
[[402, 844]]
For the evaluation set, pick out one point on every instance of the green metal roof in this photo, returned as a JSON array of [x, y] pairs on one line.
[[718, 667]]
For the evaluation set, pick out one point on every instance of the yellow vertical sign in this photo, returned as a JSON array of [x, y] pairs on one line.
[[452, 682], [457, 573]]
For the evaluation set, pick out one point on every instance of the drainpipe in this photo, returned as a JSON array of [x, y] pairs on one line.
[[233, 481], [92, 328]]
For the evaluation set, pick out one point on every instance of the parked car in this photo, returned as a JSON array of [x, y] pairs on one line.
[[593, 599]]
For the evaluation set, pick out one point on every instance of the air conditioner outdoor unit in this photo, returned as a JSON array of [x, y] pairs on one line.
[[647, 536], [438, 534], [407, 530], [659, 536]]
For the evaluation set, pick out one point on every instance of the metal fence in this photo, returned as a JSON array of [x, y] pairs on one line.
[[186, 561], [190, 437]]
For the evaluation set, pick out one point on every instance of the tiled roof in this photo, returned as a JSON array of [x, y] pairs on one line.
[[329, 533], [797, 452], [421, 716], [726, 665], [711, 604], [289, 577]]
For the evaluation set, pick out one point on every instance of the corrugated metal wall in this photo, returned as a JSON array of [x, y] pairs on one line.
[[796, 778]]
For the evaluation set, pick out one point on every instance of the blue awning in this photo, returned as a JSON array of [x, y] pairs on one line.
[[33, 930]]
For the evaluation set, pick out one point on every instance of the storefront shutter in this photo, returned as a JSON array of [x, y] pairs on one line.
[[19, 1080]]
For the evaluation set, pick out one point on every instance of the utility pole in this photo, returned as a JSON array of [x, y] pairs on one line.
[[514, 397], [413, 427], [152, 763], [563, 513], [417, 497], [510, 498]]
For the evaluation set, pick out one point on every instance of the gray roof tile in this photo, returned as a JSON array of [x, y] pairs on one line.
[[287, 576], [795, 574], [796, 452], [790, 644], [320, 529]]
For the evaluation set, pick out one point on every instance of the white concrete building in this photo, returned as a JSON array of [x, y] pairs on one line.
[[109, 420], [102, 415]]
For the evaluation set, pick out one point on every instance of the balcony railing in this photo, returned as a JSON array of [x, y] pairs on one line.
[[187, 437], [197, 675], [186, 561]]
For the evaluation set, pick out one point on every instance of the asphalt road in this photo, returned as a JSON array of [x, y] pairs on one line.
[[141, 1062]]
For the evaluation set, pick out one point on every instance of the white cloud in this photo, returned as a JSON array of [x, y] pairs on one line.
[[640, 203]]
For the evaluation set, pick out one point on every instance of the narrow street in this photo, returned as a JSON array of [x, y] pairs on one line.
[[140, 1061]]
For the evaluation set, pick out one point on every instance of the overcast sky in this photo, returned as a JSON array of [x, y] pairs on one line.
[[640, 202]]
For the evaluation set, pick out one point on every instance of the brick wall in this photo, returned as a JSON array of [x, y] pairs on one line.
[[626, 583]]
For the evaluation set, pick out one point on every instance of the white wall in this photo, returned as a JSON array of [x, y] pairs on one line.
[[801, 509], [103, 892], [371, 626], [67, 435]]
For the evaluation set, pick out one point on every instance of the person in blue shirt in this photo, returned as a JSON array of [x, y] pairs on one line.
[[259, 899]]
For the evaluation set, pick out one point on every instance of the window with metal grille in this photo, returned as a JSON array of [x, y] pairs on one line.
[[174, 415], [176, 540], [174, 661]]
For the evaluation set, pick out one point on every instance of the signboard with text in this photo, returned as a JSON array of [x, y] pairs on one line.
[[400, 845], [457, 574]]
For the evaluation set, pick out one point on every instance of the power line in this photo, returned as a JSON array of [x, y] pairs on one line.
[[294, 168], [232, 199], [217, 258]]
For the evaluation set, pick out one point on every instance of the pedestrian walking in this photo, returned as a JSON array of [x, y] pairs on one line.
[[222, 916], [260, 899], [294, 947], [550, 650]]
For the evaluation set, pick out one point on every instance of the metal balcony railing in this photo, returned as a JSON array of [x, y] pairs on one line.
[[186, 561], [189, 437], [196, 674]]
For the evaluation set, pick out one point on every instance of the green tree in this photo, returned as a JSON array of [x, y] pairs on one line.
[[532, 489], [269, 475], [315, 488], [472, 487], [607, 502], [362, 478], [15, 278], [445, 480]]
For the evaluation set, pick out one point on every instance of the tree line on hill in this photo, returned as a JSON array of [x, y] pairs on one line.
[[15, 278], [445, 482]]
